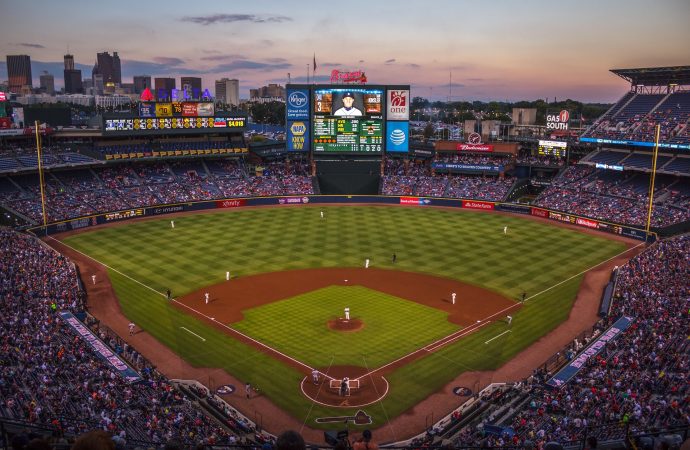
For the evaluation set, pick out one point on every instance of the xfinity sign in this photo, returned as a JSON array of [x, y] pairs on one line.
[[558, 121], [297, 104]]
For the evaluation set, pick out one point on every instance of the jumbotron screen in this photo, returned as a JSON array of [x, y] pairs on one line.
[[348, 120], [553, 148]]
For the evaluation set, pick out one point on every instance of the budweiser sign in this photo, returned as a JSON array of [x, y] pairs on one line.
[[357, 77], [587, 223], [474, 148]]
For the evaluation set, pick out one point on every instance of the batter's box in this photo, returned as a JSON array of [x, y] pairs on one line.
[[335, 384]]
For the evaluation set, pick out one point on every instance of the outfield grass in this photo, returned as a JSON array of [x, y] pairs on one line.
[[462, 245]]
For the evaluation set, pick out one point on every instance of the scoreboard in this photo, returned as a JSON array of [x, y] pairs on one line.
[[553, 148], [348, 120]]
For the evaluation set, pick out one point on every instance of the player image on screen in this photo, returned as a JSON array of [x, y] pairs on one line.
[[348, 110], [348, 120]]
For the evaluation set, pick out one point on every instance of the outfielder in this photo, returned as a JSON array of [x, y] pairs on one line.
[[172, 224], [322, 214], [366, 263], [505, 230]]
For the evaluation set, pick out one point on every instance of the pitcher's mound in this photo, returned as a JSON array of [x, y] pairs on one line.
[[340, 324]]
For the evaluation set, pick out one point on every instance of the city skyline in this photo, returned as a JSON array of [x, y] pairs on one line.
[[498, 51]]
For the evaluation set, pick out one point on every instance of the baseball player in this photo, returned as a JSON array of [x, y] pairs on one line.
[[248, 389], [510, 319], [131, 328], [93, 278], [315, 376], [395, 257], [172, 224], [169, 294], [366, 263], [347, 313], [452, 297], [206, 296], [348, 110], [322, 214], [505, 230]]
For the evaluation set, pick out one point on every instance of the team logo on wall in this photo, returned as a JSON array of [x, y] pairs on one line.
[[462, 391], [398, 104], [475, 138], [225, 389]]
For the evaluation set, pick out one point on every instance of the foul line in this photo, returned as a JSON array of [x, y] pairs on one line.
[[584, 271], [189, 331], [495, 337], [212, 319]]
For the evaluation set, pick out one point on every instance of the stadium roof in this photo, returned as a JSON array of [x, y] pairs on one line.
[[656, 76]]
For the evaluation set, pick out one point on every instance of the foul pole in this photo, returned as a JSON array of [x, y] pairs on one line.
[[40, 177], [653, 177]]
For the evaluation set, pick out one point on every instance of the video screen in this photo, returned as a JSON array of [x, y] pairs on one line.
[[348, 120]]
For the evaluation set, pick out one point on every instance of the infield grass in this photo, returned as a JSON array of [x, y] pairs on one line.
[[462, 245]]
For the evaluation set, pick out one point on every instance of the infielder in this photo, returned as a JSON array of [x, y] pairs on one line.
[[172, 224], [206, 295], [93, 278], [347, 313], [510, 319], [366, 263], [315, 376], [131, 328], [452, 298]]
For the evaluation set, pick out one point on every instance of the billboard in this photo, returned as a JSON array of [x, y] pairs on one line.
[[398, 137], [297, 105], [558, 120], [347, 119], [398, 101], [298, 136], [133, 126], [552, 148]]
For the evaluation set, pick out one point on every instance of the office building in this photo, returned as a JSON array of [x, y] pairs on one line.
[[163, 88], [19, 72], [191, 86], [142, 82], [228, 91], [47, 83]]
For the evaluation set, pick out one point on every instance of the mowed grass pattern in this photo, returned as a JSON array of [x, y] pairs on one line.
[[462, 245], [298, 326]]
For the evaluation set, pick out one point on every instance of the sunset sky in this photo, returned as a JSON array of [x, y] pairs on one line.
[[495, 50]]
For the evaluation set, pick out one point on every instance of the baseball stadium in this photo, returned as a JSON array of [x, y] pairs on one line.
[[167, 278]]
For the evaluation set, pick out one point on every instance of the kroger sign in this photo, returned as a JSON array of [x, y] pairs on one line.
[[297, 104]]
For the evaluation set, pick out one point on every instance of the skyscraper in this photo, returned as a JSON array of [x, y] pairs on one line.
[[228, 91], [191, 86], [69, 62], [73, 83], [109, 67], [47, 83], [142, 82], [18, 72], [163, 88]]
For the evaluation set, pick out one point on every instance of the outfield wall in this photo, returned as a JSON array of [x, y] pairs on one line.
[[558, 216]]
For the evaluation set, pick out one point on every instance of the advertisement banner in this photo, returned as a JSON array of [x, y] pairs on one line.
[[147, 109], [164, 110], [539, 212], [189, 109], [206, 109], [398, 137], [569, 371], [231, 203], [293, 200], [558, 120], [475, 204], [470, 167], [510, 207], [398, 104], [474, 148], [298, 136], [416, 201], [100, 349], [297, 107], [636, 143], [587, 223]]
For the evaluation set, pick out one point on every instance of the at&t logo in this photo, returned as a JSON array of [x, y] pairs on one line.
[[297, 99], [398, 137]]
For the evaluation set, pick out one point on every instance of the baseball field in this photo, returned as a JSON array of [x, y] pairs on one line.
[[293, 272]]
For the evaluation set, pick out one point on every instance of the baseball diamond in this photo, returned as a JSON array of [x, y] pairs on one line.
[[269, 324]]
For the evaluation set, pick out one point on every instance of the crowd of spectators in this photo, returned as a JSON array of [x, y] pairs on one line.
[[639, 381], [77, 193], [403, 177], [50, 377], [619, 198]]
